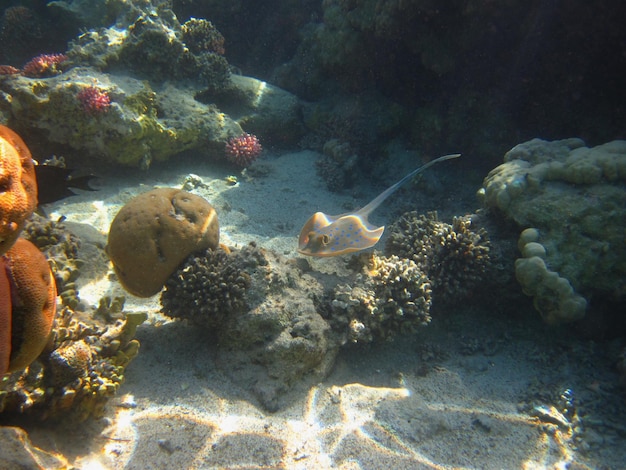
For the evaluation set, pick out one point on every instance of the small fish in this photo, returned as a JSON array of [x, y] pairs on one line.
[[332, 235], [56, 183]]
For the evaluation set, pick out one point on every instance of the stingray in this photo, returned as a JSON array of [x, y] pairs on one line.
[[332, 235]]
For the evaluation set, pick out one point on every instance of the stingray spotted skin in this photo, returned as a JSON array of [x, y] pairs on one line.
[[332, 235]]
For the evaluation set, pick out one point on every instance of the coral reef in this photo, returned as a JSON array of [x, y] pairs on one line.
[[390, 296], [74, 377], [574, 197], [454, 257], [243, 150], [139, 126], [200, 35], [18, 195], [154, 232], [337, 167], [143, 52]]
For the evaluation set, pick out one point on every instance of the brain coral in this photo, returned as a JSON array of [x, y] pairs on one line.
[[575, 197], [390, 296], [154, 232], [455, 257], [18, 187]]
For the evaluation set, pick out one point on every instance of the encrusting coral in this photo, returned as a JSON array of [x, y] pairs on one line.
[[154, 232], [390, 296], [454, 257]]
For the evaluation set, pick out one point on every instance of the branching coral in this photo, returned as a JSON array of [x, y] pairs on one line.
[[455, 257], [209, 287], [61, 248], [200, 35], [44, 65], [391, 296]]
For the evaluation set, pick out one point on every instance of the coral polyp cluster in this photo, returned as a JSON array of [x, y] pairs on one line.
[[44, 65], [243, 150], [93, 100]]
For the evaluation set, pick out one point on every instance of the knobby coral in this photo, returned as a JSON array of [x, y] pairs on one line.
[[207, 288]]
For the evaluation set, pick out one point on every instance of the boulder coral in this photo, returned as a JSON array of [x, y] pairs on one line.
[[154, 232], [574, 196], [18, 187], [28, 284]]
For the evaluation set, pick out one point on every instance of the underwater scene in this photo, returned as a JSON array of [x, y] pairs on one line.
[[312, 234]]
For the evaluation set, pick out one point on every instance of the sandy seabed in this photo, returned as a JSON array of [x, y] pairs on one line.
[[454, 395]]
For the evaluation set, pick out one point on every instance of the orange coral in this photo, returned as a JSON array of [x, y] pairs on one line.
[[27, 287], [18, 187], [28, 284]]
